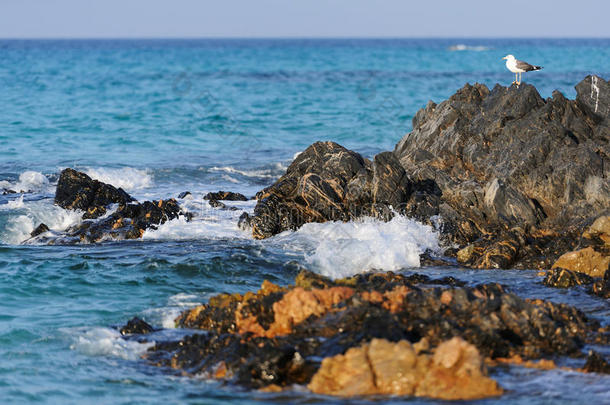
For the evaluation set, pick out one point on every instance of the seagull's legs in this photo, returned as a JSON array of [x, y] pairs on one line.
[[515, 78], [519, 81]]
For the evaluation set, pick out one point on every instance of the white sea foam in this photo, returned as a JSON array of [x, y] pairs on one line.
[[126, 178], [464, 47], [29, 215], [208, 223], [28, 181], [165, 316], [275, 170], [105, 342], [342, 249]]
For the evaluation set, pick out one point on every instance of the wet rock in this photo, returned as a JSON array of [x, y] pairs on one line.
[[601, 287], [136, 326], [225, 195], [506, 158], [185, 195], [327, 182], [277, 335], [76, 190], [599, 229], [562, 278], [244, 222], [6, 191], [40, 229], [588, 261], [596, 364]]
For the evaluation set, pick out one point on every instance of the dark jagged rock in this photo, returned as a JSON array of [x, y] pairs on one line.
[[136, 326], [596, 364], [40, 229], [562, 278], [278, 335], [6, 191], [226, 196], [244, 221], [129, 221], [506, 159], [76, 190], [327, 182], [184, 194], [601, 287]]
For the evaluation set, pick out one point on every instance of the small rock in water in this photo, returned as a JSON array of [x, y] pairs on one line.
[[596, 364], [225, 195], [185, 195], [136, 326], [40, 229], [562, 278]]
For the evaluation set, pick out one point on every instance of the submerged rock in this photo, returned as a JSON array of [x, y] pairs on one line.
[[225, 195], [40, 229], [277, 336], [596, 364], [454, 371], [562, 278], [136, 326]]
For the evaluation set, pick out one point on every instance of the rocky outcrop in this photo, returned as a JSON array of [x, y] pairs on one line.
[[76, 190], [275, 337], [518, 174], [454, 371], [327, 182], [514, 178]]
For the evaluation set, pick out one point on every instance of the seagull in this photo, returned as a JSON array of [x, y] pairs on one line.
[[518, 67]]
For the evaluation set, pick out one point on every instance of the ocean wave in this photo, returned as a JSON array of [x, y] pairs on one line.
[[29, 181], [342, 249], [99, 341], [273, 171], [127, 178], [464, 47], [28, 215], [208, 223], [165, 316]]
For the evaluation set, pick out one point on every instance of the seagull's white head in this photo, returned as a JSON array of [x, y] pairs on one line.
[[509, 57]]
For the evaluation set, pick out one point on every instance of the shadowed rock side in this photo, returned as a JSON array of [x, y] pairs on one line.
[[76, 190], [276, 337], [514, 178]]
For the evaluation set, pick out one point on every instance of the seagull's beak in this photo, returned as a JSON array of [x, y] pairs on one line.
[[504, 57]]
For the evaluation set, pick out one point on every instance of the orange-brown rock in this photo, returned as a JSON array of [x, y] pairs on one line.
[[600, 228], [455, 371], [588, 261]]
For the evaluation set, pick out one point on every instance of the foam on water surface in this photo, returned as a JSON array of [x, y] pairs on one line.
[[101, 341], [127, 178], [342, 249]]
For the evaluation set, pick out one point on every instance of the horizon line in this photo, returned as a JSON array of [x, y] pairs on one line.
[[152, 38]]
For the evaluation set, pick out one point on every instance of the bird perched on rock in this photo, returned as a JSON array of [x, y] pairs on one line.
[[518, 67]]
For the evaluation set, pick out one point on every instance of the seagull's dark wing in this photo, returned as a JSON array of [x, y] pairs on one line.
[[526, 66]]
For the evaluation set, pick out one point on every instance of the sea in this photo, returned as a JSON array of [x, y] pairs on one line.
[[160, 117]]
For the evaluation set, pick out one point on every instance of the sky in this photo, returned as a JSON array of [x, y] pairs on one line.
[[303, 18]]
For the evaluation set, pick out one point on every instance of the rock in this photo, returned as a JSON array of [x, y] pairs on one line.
[[76, 190], [599, 229], [136, 326], [588, 261], [454, 372], [40, 229], [562, 278], [596, 364], [244, 222], [277, 335], [506, 159], [185, 195], [225, 195], [6, 191], [327, 182], [601, 287]]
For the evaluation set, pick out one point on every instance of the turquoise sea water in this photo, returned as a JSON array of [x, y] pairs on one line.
[[161, 117]]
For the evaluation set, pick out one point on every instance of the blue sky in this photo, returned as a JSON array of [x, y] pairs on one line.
[[303, 18]]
